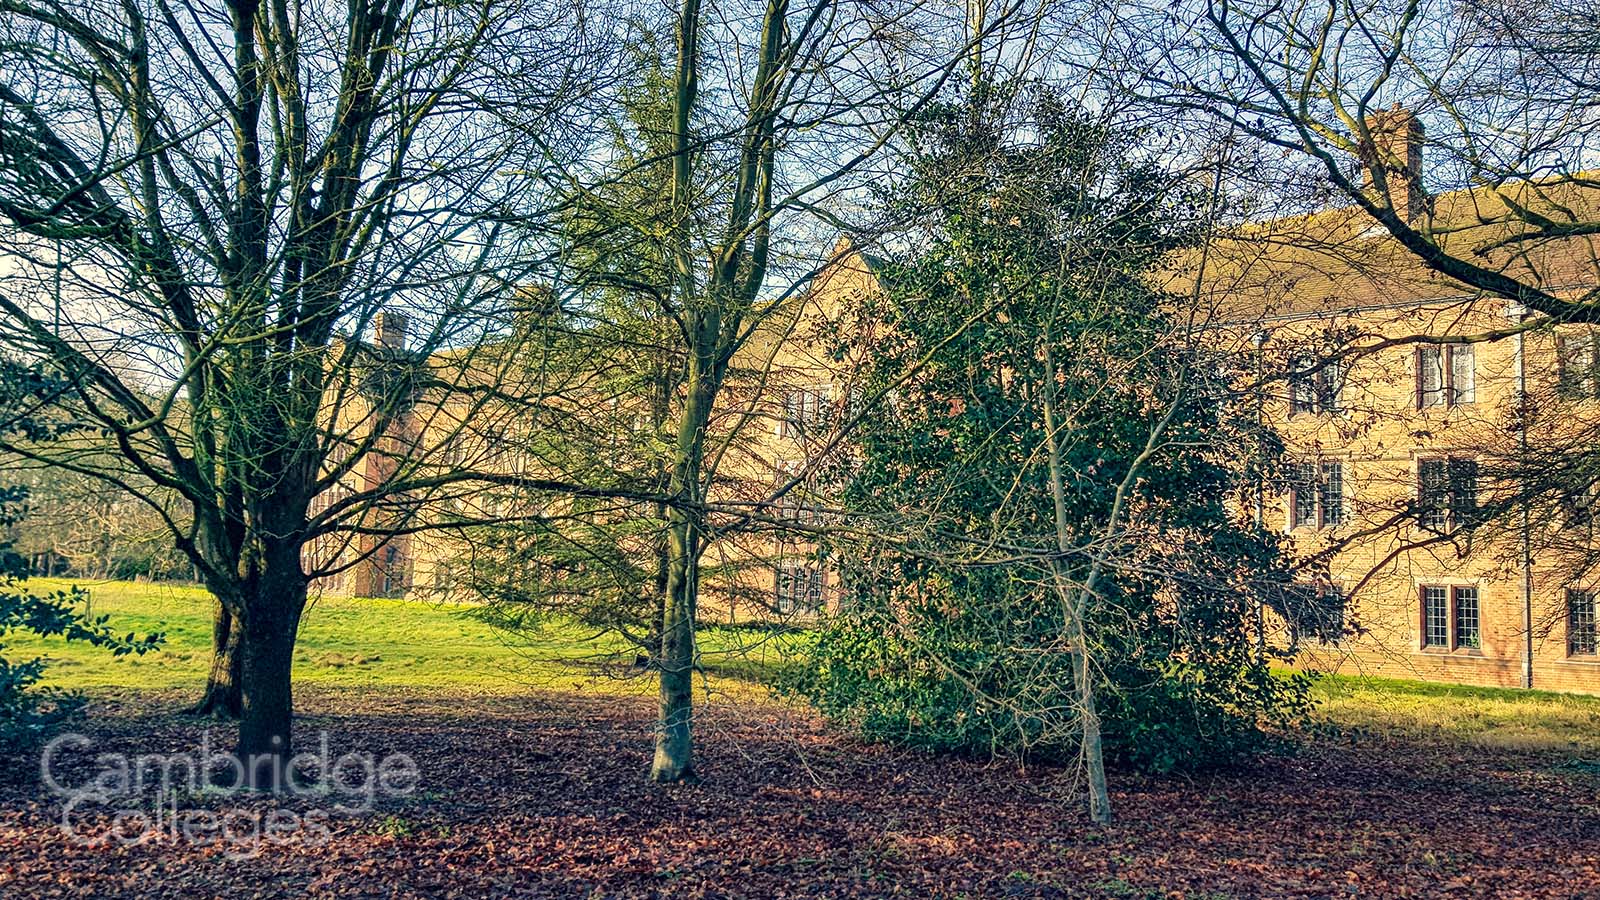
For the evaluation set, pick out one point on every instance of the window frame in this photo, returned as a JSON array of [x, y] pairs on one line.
[[1330, 487], [1318, 392], [1586, 386], [812, 593], [1323, 597], [1457, 642], [1451, 600], [1446, 362], [1580, 507], [1318, 488], [1428, 619], [794, 506], [1451, 512], [1590, 599], [388, 578], [807, 409]]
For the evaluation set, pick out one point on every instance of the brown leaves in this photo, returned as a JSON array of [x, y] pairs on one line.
[[545, 796]]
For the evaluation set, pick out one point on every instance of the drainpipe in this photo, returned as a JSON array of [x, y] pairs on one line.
[[1518, 313], [1260, 341]]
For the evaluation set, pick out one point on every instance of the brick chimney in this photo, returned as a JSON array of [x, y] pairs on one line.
[[1397, 147], [389, 330]]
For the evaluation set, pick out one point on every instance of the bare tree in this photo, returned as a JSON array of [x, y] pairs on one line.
[[773, 120], [210, 208], [95, 530]]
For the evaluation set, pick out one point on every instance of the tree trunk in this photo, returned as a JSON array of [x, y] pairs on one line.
[[273, 620], [1093, 757], [1073, 607], [221, 699], [674, 760]]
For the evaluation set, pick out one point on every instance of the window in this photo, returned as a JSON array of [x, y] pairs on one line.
[[1576, 372], [1315, 610], [1579, 504], [1303, 496], [328, 499], [444, 577], [1447, 492], [805, 410], [1315, 391], [1435, 617], [1582, 637], [798, 587], [1302, 395], [1466, 617], [1445, 375], [855, 397], [1463, 386], [1451, 618], [1316, 494], [1330, 496], [391, 570], [795, 504]]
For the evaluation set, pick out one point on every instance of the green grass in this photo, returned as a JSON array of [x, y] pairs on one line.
[[362, 642], [413, 644], [1501, 718]]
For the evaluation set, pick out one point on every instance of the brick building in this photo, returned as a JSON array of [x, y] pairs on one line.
[[1393, 440], [368, 562], [1390, 447]]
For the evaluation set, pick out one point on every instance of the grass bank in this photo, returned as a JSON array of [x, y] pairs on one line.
[[364, 642], [1500, 718]]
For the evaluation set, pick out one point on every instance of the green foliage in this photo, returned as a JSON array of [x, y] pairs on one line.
[[585, 566], [931, 676], [956, 633], [602, 562], [989, 676]]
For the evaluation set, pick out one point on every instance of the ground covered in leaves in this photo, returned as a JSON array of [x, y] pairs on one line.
[[541, 794]]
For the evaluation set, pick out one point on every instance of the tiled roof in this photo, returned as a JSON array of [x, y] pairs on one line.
[[1340, 260]]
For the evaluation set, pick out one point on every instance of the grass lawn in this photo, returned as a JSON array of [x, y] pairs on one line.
[[1500, 718], [353, 642], [380, 642], [363, 642]]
